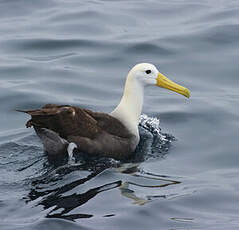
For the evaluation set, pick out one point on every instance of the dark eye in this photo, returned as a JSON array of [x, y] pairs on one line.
[[148, 71]]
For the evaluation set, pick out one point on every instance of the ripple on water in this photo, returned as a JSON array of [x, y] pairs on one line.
[[153, 49], [79, 53]]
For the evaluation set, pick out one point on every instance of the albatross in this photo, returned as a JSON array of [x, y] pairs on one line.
[[62, 128]]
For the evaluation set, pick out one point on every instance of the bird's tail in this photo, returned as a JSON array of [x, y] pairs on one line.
[[42, 118], [31, 112], [32, 121], [21, 111]]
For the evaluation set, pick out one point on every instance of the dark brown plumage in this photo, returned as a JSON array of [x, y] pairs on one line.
[[93, 132]]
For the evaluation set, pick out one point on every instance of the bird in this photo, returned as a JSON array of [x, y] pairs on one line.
[[64, 128]]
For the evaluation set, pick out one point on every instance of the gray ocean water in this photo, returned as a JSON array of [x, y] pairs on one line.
[[79, 52]]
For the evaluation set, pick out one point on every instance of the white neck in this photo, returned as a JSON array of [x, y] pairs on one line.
[[129, 109]]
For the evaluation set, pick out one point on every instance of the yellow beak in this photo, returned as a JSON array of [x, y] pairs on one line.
[[164, 82]]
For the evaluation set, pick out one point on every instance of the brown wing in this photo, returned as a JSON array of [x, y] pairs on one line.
[[110, 124], [65, 120], [75, 121]]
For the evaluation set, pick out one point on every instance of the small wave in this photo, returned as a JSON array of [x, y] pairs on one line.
[[49, 58], [153, 143], [144, 47]]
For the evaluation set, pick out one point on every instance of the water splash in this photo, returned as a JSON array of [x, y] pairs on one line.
[[153, 143], [150, 123]]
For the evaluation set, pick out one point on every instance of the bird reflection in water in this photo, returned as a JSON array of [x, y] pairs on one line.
[[55, 198], [61, 205], [68, 203]]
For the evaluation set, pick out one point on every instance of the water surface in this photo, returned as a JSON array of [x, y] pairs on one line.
[[71, 52]]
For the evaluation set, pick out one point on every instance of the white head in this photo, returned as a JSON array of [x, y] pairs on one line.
[[147, 74], [144, 73]]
